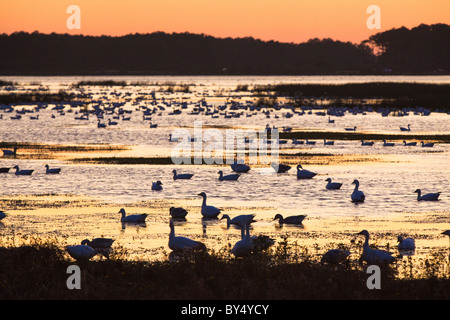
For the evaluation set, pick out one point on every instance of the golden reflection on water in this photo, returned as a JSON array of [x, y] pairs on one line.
[[76, 219]]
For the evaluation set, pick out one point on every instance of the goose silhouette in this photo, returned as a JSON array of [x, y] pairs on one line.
[[208, 211], [374, 256], [183, 243], [357, 195]]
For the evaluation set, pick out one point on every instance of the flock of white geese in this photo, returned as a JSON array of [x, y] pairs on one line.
[[247, 244]]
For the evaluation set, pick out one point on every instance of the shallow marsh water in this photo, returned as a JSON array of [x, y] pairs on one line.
[[84, 200]]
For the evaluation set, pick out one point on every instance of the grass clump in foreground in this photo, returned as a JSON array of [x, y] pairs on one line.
[[37, 269]]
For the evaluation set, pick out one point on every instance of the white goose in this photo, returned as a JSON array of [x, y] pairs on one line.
[[132, 217], [406, 244], [388, 144], [243, 247], [304, 174], [183, 243], [157, 186], [229, 177], [239, 167], [335, 256], [357, 195], [23, 172], [208, 211], [184, 176], [280, 168], [289, 220], [374, 256], [333, 185], [240, 220], [427, 145], [81, 252], [428, 196], [52, 171], [13, 152]]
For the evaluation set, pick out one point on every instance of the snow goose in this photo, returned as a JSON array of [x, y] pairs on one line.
[[240, 220], [333, 185], [101, 125], [178, 213], [229, 177], [240, 167], [304, 174], [427, 145], [183, 176], [280, 168], [243, 247], [290, 220], [406, 244], [81, 252], [183, 243], [357, 195], [98, 243], [157, 186], [374, 256], [428, 196], [23, 172], [132, 217], [52, 171], [367, 143], [295, 141], [173, 139], [208, 211], [406, 129], [409, 144], [335, 256], [388, 144], [10, 152]]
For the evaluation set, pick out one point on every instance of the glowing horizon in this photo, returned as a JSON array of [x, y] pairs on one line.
[[284, 21]]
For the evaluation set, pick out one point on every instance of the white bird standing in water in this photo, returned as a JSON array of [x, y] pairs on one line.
[[243, 247], [240, 220], [374, 256], [183, 243], [208, 211], [357, 195]]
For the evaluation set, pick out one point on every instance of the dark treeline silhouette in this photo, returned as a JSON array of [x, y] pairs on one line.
[[424, 49]]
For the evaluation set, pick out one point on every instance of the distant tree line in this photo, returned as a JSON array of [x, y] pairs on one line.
[[421, 50]]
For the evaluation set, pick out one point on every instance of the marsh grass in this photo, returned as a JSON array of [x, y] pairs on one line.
[[36, 268]]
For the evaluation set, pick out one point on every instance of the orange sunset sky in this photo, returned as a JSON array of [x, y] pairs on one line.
[[281, 20]]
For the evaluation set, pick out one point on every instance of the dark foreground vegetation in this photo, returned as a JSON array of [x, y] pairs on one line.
[[421, 50], [39, 271]]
